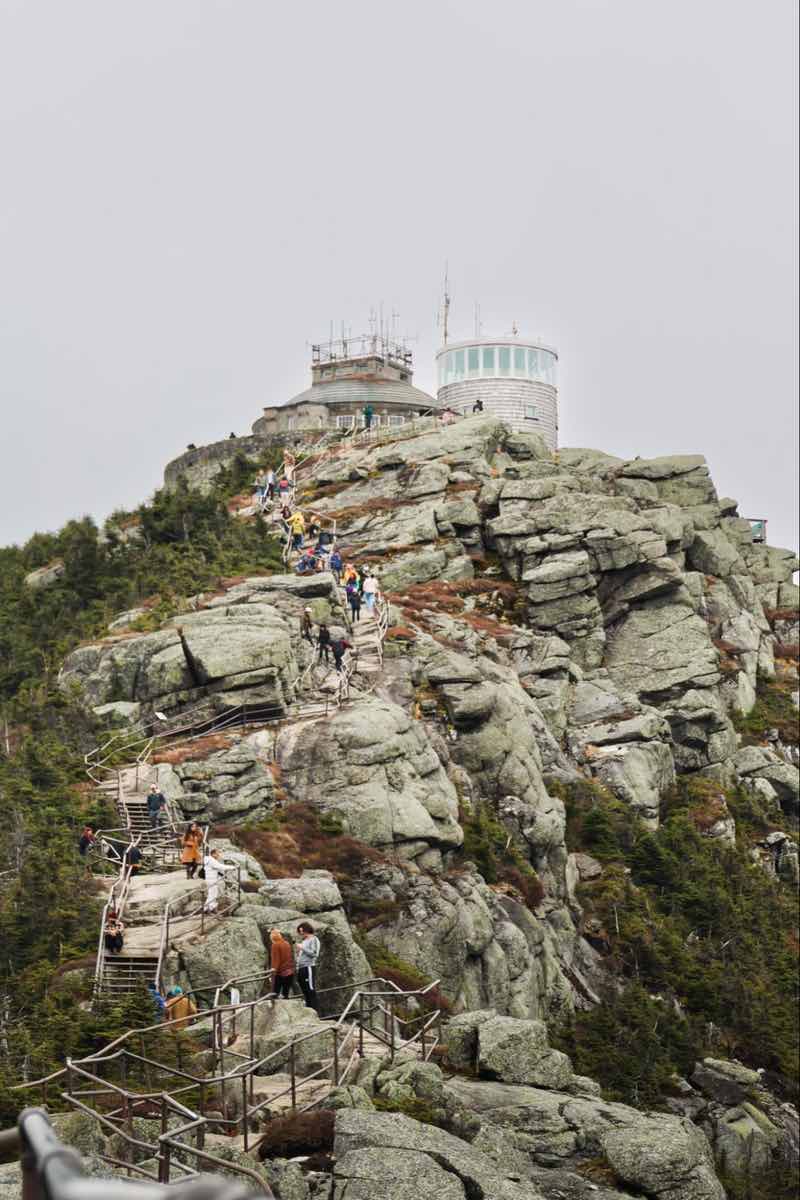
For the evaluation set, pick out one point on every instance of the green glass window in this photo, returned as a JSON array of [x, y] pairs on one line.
[[519, 361], [533, 364], [488, 360], [504, 359], [458, 371], [473, 361]]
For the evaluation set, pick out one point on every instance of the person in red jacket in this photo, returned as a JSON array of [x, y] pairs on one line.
[[282, 963]]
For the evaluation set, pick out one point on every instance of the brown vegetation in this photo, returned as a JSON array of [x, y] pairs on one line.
[[298, 1134], [301, 840], [199, 748]]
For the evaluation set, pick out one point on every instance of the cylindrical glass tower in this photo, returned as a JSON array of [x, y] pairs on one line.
[[514, 378]]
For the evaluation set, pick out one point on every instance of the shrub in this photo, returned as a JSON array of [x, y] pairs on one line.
[[298, 838], [491, 847], [773, 709], [298, 1134]]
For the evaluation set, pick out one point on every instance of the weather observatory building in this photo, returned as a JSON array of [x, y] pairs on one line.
[[513, 377], [347, 375]]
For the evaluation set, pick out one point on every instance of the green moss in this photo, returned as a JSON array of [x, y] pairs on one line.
[[773, 709], [418, 1110], [488, 844]]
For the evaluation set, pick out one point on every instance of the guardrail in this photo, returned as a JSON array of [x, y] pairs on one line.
[[375, 1009], [53, 1171]]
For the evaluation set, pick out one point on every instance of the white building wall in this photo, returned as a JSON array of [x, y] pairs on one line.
[[507, 399]]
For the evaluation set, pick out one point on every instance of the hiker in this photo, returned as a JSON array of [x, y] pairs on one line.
[[338, 647], [231, 435], [314, 526], [354, 600], [87, 840], [307, 563], [214, 870], [156, 801], [282, 964], [283, 488], [335, 565], [307, 956], [179, 1008], [478, 406], [368, 412], [370, 591], [270, 482], [133, 858], [324, 642], [113, 934], [192, 849], [260, 485], [157, 996], [297, 525], [307, 625]]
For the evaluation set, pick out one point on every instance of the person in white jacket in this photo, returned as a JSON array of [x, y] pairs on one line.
[[214, 869], [370, 591]]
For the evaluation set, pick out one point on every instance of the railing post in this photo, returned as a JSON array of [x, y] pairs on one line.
[[335, 1056], [424, 1059], [361, 1024], [391, 1031], [293, 1077], [165, 1165], [252, 1032], [244, 1111]]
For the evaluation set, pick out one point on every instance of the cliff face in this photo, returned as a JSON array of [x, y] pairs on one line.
[[582, 618], [556, 623]]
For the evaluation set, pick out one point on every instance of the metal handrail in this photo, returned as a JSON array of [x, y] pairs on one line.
[[53, 1171]]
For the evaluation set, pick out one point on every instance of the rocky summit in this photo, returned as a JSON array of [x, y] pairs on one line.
[[560, 785]]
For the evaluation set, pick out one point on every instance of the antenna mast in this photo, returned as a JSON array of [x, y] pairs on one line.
[[445, 306]]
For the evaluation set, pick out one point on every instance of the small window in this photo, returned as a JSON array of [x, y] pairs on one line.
[[344, 422], [397, 420], [530, 412], [290, 423], [504, 360], [375, 420]]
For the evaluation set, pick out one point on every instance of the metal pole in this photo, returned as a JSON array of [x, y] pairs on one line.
[[335, 1056], [361, 1024], [391, 1031], [293, 1077], [244, 1111]]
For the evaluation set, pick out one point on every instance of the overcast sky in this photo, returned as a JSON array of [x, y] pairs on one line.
[[191, 190]]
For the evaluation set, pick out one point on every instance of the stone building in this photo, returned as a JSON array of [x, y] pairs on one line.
[[513, 377], [346, 376]]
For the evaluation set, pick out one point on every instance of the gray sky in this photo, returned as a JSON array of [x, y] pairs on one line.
[[190, 190]]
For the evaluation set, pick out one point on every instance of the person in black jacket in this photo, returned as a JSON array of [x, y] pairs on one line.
[[324, 642], [338, 647]]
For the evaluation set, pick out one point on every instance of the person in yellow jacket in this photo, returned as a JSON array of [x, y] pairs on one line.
[[297, 524], [179, 1008]]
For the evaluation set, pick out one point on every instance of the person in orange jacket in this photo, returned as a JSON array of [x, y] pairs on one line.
[[282, 963]]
